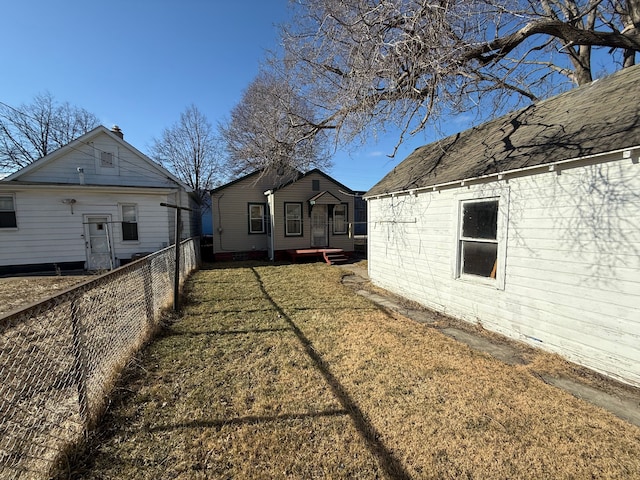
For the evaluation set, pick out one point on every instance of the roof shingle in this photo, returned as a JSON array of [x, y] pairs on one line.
[[592, 119]]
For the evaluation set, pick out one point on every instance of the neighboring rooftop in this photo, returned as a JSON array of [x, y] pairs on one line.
[[593, 119]]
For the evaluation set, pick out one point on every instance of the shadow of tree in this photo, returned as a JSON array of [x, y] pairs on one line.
[[388, 462]]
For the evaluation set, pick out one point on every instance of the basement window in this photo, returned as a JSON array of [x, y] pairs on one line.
[[478, 239]]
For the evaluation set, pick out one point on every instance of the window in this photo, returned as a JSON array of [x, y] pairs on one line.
[[315, 185], [340, 223], [256, 218], [7, 212], [293, 219], [478, 238], [129, 223], [106, 159]]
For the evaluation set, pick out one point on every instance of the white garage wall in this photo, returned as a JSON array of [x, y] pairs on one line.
[[568, 263]]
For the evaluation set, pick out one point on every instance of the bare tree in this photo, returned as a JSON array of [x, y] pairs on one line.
[[190, 149], [34, 130], [269, 130], [407, 63]]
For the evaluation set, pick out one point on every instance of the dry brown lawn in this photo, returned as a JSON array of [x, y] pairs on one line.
[[283, 372], [16, 292]]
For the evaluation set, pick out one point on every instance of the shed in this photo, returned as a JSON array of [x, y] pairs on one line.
[[528, 225]]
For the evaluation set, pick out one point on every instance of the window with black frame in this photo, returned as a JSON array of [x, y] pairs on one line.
[[129, 223], [7, 212]]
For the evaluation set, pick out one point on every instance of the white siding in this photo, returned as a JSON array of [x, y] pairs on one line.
[[48, 232], [572, 271], [129, 168]]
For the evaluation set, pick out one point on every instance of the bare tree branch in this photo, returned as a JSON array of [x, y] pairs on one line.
[[368, 66], [191, 150], [33, 130], [273, 130]]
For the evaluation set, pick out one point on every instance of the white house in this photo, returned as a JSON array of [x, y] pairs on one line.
[[91, 204], [528, 225]]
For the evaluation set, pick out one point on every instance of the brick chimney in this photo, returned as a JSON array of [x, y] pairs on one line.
[[116, 129]]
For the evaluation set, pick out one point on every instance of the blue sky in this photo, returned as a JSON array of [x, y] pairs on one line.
[[140, 63]]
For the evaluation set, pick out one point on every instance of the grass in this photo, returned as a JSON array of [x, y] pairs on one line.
[[16, 292], [280, 371]]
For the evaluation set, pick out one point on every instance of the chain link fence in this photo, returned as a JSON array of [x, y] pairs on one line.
[[59, 358]]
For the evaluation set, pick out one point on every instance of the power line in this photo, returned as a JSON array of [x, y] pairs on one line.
[[68, 145]]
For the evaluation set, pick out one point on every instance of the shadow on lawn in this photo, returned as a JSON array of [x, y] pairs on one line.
[[388, 462]]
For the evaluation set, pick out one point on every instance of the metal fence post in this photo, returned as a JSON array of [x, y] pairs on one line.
[[79, 363], [148, 292]]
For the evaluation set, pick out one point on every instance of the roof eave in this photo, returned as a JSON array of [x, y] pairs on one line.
[[627, 152]]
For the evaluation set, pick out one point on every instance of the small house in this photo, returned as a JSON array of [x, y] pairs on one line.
[[528, 225], [263, 215], [93, 204]]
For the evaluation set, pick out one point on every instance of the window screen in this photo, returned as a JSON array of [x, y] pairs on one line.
[[340, 219], [478, 238], [129, 223], [293, 220], [256, 218]]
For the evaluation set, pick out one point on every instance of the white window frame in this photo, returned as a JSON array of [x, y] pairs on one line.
[[15, 213], [288, 233], [122, 221], [262, 218], [345, 222], [483, 193]]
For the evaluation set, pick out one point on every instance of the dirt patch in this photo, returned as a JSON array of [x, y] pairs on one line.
[[17, 292]]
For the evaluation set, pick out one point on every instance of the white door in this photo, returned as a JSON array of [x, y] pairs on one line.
[[98, 242], [319, 226]]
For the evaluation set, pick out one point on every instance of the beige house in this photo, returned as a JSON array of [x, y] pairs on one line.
[[279, 217]]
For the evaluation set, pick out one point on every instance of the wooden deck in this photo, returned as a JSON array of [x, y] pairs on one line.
[[329, 255]]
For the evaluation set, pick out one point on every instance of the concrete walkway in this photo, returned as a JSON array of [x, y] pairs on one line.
[[624, 403]]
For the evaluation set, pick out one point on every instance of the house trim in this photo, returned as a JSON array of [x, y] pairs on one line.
[[16, 186]]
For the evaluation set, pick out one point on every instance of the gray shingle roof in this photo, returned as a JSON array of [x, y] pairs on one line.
[[595, 118]]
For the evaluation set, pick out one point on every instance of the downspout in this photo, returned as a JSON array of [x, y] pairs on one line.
[[219, 230], [271, 230]]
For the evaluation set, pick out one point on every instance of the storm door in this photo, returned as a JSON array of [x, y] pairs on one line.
[[319, 226], [98, 242]]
